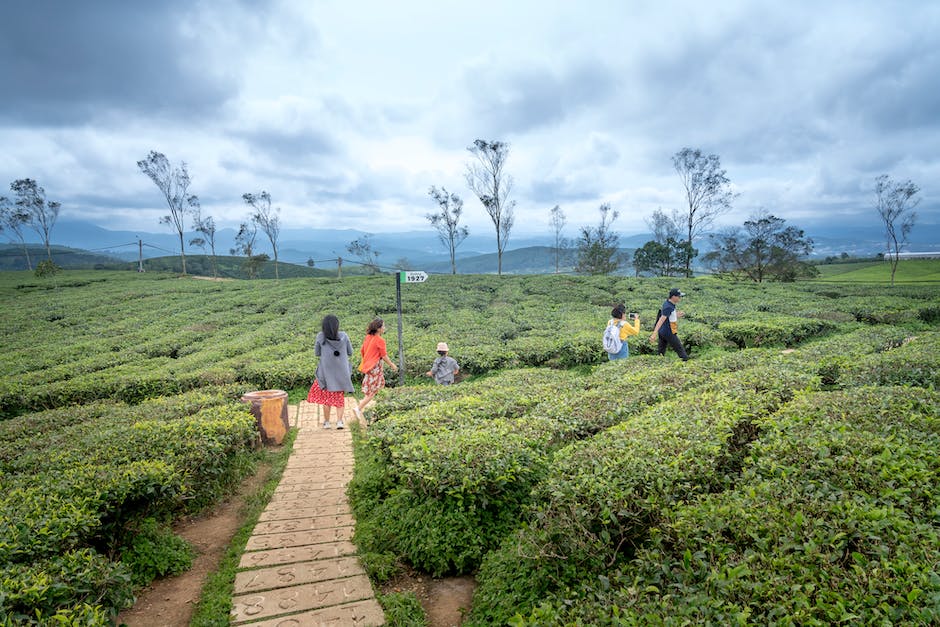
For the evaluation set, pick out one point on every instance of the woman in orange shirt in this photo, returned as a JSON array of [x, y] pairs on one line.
[[374, 353]]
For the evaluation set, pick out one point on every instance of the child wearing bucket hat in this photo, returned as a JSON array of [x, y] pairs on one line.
[[444, 367]]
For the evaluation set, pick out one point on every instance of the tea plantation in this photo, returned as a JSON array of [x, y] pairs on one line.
[[787, 474]]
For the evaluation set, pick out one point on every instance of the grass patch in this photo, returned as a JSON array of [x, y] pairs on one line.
[[215, 602], [909, 271]]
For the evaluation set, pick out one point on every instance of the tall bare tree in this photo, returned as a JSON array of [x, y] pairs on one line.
[[707, 193], [598, 248], [245, 245], [764, 250], [40, 213], [266, 218], [487, 178], [447, 221], [205, 226], [174, 183], [368, 256], [664, 226], [13, 219], [896, 201], [557, 221]]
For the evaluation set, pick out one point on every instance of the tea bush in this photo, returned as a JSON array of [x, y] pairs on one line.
[[79, 483], [155, 551], [110, 413], [833, 520], [78, 587], [604, 495], [772, 331]]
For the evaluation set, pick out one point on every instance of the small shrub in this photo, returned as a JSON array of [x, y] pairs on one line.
[[156, 551], [72, 585], [402, 609], [46, 268]]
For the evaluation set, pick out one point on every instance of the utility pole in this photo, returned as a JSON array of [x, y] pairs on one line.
[[140, 255], [339, 267]]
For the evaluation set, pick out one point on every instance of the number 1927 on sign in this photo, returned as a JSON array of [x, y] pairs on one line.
[[413, 277]]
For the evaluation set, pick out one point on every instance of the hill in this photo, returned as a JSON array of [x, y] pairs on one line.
[[13, 258], [909, 271], [529, 260]]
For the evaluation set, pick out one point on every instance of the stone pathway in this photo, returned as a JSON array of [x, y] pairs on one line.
[[300, 566]]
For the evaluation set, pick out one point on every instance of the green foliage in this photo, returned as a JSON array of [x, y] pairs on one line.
[[402, 609], [86, 480], [155, 551], [46, 268], [831, 519], [77, 587], [552, 484], [772, 330]]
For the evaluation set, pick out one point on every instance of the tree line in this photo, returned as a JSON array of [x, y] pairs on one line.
[[764, 248]]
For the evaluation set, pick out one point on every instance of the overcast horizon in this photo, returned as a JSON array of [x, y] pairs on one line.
[[346, 113]]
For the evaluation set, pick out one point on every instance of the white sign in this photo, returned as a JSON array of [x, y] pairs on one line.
[[414, 277]]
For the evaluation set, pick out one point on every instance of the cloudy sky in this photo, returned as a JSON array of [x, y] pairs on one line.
[[347, 111]]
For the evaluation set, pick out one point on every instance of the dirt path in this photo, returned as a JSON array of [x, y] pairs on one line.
[[170, 602]]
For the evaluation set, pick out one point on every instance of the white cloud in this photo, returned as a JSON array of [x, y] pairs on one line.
[[348, 112]]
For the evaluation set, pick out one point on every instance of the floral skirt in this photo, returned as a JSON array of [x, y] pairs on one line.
[[374, 380], [325, 397]]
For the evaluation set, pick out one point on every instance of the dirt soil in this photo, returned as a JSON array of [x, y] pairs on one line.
[[170, 602], [445, 601]]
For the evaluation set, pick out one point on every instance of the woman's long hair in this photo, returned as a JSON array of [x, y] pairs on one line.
[[331, 327], [374, 326]]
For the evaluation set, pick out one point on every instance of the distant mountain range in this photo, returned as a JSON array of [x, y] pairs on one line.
[[424, 250]]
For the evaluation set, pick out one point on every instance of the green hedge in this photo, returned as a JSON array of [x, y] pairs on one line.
[[833, 521], [79, 484], [604, 495]]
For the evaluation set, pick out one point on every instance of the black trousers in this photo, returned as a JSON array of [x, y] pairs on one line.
[[672, 340]]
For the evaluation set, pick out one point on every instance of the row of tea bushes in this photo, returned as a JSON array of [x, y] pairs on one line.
[[833, 520], [77, 485], [581, 460], [465, 461], [818, 507], [438, 482], [130, 336], [604, 493]]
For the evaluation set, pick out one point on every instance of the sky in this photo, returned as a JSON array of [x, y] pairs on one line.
[[348, 111]]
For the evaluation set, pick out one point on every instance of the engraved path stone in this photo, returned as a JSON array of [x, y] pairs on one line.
[[300, 567]]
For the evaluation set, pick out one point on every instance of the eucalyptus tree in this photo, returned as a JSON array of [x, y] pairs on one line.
[[667, 252], [13, 219], [205, 226], [40, 214], [446, 222], [664, 226], [598, 247], [368, 256], [765, 249], [173, 182], [557, 221], [245, 245], [266, 218], [896, 201], [707, 193], [487, 178]]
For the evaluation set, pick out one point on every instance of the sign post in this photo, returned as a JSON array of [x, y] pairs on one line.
[[408, 276]]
